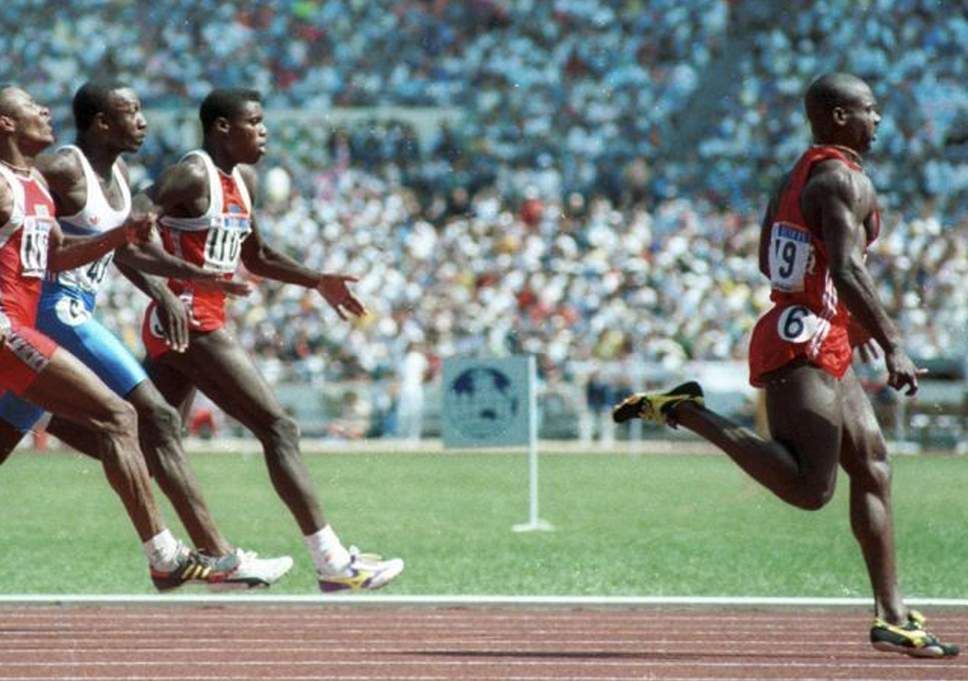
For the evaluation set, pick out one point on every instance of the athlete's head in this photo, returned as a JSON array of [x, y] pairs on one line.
[[842, 110], [232, 118], [111, 113], [24, 120]]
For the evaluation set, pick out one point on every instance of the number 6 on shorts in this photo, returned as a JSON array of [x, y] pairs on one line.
[[797, 324]]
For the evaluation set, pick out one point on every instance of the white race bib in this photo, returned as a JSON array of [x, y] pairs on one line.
[[223, 244], [33, 246], [790, 255]]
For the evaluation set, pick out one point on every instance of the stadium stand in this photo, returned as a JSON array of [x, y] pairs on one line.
[[595, 202]]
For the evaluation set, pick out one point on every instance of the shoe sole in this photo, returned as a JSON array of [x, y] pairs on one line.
[[377, 581], [386, 577], [926, 651], [252, 582]]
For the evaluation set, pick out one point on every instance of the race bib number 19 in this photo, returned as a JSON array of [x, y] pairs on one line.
[[790, 253]]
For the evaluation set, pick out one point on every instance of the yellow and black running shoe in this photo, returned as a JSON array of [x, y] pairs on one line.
[[910, 638], [192, 566], [655, 406]]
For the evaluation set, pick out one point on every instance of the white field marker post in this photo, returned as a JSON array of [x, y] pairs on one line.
[[534, 522]]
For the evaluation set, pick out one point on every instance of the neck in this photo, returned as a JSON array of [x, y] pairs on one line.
[[219, 157], [14, 157], [100, 156], [853, 153], [850, 151]]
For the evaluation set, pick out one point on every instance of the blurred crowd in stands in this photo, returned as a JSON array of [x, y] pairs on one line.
[[598, 195]]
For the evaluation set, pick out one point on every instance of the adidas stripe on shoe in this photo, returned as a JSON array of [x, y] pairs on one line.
[[194, 567]]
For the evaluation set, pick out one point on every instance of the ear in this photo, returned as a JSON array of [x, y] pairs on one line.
[[7, 124], [221, 124], [100, 121], [839, 115]]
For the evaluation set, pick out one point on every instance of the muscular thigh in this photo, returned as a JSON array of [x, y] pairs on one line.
[[804, 409], [222, 369], [67, 388], [175, 386], [863, 442]]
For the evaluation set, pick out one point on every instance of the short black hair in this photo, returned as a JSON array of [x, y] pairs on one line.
[[225, 103], [828, 92], [91, 99]]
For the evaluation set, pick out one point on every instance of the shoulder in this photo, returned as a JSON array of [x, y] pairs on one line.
[[181, 186], [187, 175], [834, 180], [60, 169]]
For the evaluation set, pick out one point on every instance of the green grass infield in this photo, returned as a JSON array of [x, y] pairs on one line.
[[646, 525]]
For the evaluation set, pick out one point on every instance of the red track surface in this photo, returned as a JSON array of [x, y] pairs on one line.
[[436, 644]]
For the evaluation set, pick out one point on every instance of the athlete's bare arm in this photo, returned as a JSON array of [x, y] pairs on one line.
[[841, 201], [68, 252], [264, 261]]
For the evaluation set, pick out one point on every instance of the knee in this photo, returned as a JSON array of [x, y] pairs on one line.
[[160, 421], [121, 420], [815, 497], [873, 475]]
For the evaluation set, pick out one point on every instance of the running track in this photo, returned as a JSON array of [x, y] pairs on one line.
[[243, 642]]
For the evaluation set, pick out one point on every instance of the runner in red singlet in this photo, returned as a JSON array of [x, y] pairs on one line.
[[205, 204], [813, 246], [35, 368]]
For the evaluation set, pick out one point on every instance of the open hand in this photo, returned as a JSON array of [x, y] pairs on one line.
[[334, 290]]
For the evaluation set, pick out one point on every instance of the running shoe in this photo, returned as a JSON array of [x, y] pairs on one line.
[[655, 406], [194, 567], [910, 638], [365, 572], [252, 572]]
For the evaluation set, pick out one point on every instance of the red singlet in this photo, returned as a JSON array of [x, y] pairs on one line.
[[23, 263], [807, 320], [212, 241]]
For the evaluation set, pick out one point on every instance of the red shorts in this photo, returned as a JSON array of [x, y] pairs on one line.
[[785, 334], [23, 355], [154, 338]]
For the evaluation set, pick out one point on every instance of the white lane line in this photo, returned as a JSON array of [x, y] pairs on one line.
[[434, 641], [500, 661], [438, 600], [502, 677]]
